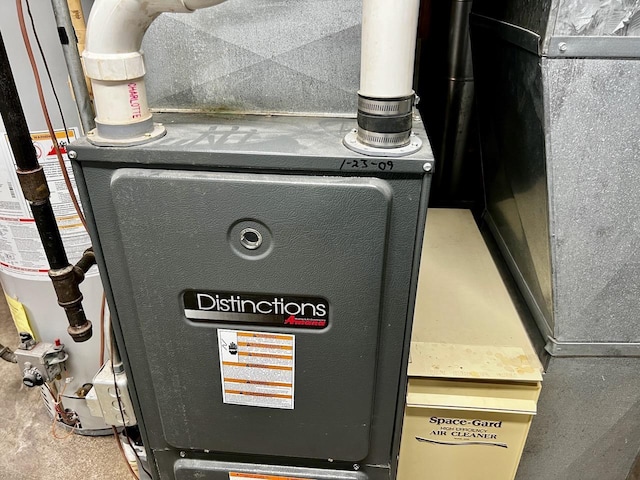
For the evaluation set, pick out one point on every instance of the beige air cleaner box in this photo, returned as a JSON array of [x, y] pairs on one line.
[[474, 377]]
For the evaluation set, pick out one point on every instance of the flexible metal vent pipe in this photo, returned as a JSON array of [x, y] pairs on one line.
[[114, 63]]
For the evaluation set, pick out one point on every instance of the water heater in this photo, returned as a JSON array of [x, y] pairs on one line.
[[261, 278]]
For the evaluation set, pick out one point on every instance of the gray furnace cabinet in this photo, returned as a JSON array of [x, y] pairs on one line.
[[261, 279]]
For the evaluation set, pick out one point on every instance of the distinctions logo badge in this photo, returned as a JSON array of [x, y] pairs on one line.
[[243, 308]]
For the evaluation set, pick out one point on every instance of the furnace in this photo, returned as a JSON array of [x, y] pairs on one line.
[[262, 279]]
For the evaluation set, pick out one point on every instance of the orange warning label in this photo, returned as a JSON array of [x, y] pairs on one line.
[[264, 335], [253, 476], [256, 365], [257, 373], [264, 345], [257, 382]]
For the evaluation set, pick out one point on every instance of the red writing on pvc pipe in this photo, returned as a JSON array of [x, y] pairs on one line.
[[133, 100]]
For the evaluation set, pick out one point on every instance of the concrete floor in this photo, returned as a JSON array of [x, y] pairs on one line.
[[29, 452]]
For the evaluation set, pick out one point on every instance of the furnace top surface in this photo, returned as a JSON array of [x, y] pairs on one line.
[[276, 142]]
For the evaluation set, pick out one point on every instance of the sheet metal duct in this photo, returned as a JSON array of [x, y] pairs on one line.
[[558, 85], [559, 129]]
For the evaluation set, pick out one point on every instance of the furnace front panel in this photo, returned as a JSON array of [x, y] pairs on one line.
[[261, 292]]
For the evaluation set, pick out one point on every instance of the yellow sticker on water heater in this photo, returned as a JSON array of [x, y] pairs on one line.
[[19, 315]]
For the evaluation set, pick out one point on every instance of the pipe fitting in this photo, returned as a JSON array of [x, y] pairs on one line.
[[67, 286], [87, 261], [34, 185], [385, 123], [115, 64]]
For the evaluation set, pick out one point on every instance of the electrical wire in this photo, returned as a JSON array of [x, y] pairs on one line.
[[25, 36], [103, 305], [56, 146], [45, 112], [116, 435], [119, 399], [59, 410], [46, 67]]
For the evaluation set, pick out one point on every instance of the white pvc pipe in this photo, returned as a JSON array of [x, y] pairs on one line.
[[126, 101], [389, 31], [113, 60]]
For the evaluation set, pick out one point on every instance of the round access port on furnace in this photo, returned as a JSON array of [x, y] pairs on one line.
[[250, 238]]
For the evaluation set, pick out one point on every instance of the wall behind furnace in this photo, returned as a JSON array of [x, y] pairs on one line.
[[257, 56]]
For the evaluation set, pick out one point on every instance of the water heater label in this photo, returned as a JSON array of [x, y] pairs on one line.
[[257, 368], [275, 310], [21, 252]]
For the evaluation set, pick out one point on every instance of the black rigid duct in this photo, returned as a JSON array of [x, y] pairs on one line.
[[446, 87]]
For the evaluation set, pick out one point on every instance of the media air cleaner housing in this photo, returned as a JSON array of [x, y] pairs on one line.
[[262, 280]]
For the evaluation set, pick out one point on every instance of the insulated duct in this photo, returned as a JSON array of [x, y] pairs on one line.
[[114, 63], [386, 96]]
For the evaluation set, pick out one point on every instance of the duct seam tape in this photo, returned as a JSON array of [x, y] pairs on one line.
[[113, 66]]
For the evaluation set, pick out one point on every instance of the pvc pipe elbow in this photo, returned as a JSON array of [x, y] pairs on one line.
[[114, 63], [198, 4], [117, 26]]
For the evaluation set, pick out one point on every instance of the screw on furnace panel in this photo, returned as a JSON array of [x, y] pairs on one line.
[[427, 167], [562, 46], [183, 454], [72, 154], [356, 466]]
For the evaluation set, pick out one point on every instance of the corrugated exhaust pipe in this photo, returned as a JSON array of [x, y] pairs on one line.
[[386, 97], [114, 63]]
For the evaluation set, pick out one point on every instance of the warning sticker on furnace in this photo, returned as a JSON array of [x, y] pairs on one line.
[[253, 476], [258, 369]]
